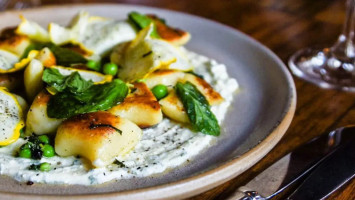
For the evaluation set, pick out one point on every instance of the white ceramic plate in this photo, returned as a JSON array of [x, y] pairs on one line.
[[258, 118]]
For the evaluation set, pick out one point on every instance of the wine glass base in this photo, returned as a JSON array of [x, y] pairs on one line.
[[321, 67]]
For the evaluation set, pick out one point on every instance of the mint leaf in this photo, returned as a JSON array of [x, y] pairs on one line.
[[74, 82], [142, 21], [96, 98], [197, 109]]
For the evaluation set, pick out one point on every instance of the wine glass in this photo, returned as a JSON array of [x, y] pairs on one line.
[[331, 67]]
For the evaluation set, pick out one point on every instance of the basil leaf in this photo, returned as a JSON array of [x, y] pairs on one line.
[[142, 21], [54, 79], [32, 46], [64, 56], [97, 97], [74, 82], [197, 109], [195, 74]]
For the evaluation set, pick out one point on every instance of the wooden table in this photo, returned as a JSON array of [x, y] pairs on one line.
[[284, 26]]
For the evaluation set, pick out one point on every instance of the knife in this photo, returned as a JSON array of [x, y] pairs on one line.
[[332, 173], [302, 162]]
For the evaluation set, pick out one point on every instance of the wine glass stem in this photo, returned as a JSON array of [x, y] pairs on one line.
[[344, 48]]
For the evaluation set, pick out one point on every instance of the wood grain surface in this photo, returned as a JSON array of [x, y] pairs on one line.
[[284, 26]]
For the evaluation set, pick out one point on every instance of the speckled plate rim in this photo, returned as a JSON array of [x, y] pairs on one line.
[[206, 180]]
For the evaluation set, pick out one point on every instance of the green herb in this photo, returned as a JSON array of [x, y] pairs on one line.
[[32, 46], [95, 98], [74, 82], [119, 163], [147, 54], [195, 74], [142, 21], [197, 109], [34, 167], [64, 56], [94, 126]]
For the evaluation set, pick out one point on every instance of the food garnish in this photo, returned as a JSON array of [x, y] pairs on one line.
[[87, 75], [79, 100], [64, 56], [73, 82], [143, 21], [197, 109]]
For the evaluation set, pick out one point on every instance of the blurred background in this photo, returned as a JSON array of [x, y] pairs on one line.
[[291, 19]]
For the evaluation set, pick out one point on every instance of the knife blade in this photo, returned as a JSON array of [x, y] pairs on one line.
[[336, 170], [299, 163]]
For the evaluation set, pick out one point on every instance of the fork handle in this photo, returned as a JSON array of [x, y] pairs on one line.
[[245, 193]]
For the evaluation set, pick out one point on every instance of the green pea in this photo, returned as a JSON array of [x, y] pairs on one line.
[[110, 69], [91, 64], [160, 91], [27, 145], [48, 150], [44, 139], [45, 167], [25, 153]]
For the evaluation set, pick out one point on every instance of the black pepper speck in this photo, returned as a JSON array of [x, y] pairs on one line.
[[29, 183]]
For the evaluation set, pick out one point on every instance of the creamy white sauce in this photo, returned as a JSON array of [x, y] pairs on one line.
[[165, 146]]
